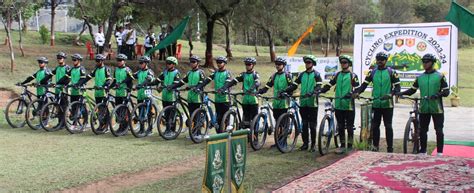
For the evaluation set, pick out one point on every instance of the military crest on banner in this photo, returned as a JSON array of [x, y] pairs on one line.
[[410, 42], [387, 46], [399, 42]]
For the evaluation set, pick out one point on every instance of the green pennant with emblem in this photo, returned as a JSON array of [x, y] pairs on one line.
[[215, 172], [239, 157]]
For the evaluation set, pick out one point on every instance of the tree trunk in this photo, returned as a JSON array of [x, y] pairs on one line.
[[10, 46], [78, 37], [255, 41], [20, 32], [112, 20], [272, 45], [53, 13], [209, 36], [189, 34], [339, 37], [227, 41], [91, 32], [328, 37]]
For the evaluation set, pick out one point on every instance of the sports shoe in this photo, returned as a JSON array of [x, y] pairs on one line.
[[340, 150], [304, 147], [439, 154]]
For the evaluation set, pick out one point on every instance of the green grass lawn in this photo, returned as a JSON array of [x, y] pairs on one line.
[[40, 161]]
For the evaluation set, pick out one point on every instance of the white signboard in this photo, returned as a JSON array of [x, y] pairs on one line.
[[406, 44], [327, 67]]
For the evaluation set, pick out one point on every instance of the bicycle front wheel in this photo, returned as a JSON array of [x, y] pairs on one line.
[[15, 112], [230, 121], [410, 138], [286, 133], [325, 135], [100, 119], [51, 117], [142, 121], [258, 131], [199, 126], [170, 123], [76, 117], [32, 114], [120, 120]]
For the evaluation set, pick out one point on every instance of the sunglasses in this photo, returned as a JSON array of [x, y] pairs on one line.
[[307, 62], [120, 60], [426, 61], [219, 62], [169, 63], [344, 62], [193, 61], [74, 60], [98, 60], [248, 64], [142, 63], [380, 59]]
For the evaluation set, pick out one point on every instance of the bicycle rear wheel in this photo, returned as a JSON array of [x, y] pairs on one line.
[[410, 138], [286, 133], [324, 135], [100, 119], [120, 120], [51, 117], [32, 114], [258, 131], [199, 125], [15, 112], [170, 123], [76, 117]]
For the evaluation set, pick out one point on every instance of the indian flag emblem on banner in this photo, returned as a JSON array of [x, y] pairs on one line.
[[369, 33]]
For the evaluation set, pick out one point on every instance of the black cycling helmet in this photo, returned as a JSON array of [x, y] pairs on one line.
[[221, 59], [346, 57], [121, 57], [99, 57], [250, 60], [144, 59], [280, 60], [42, 59], [61, 55], [76, 56], [195, 58], [381, 56], [429, 57]]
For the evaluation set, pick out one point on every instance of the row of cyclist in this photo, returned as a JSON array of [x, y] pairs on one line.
[[69, 105]]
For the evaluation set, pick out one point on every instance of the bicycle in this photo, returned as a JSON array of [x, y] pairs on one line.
[[77, 112], [16, 108], [52, 114], [288, 126], [203, 118], [262, 124], [411, 136], [120, 120], [100, 117], [172, 115], [327, 127], [144, 114], [33, 109]]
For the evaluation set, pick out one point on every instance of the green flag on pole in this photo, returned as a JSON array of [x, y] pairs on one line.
[[461, 18], [172, 37]]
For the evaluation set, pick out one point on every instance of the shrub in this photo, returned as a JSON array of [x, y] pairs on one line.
[[44, 33]]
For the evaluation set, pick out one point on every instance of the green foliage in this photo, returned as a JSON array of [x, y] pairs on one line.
[[44, 33], [455, 91], [405, 61]]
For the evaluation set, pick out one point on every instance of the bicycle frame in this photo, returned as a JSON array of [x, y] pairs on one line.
[[267, 110], [329, 110], [294, 111], [206, 105], [234, 107]]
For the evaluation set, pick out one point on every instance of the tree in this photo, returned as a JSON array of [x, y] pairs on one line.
[[400, 11], [53, 4], [7, 10], [431, 11], [325, 9], [227, 22], [214, 10]]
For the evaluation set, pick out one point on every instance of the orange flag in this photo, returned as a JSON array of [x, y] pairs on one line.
[[294, 47]]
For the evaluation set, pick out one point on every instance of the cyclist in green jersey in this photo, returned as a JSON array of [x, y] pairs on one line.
[[385, 83], [144, 77], [41, 77], [123, 78], [251, 82], [102, 78], [193, 78], [221, 76], [346, 82], [310, 81], [433, 86]]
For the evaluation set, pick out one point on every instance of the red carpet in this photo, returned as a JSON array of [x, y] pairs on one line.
[[457, 150], [381, 172]]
